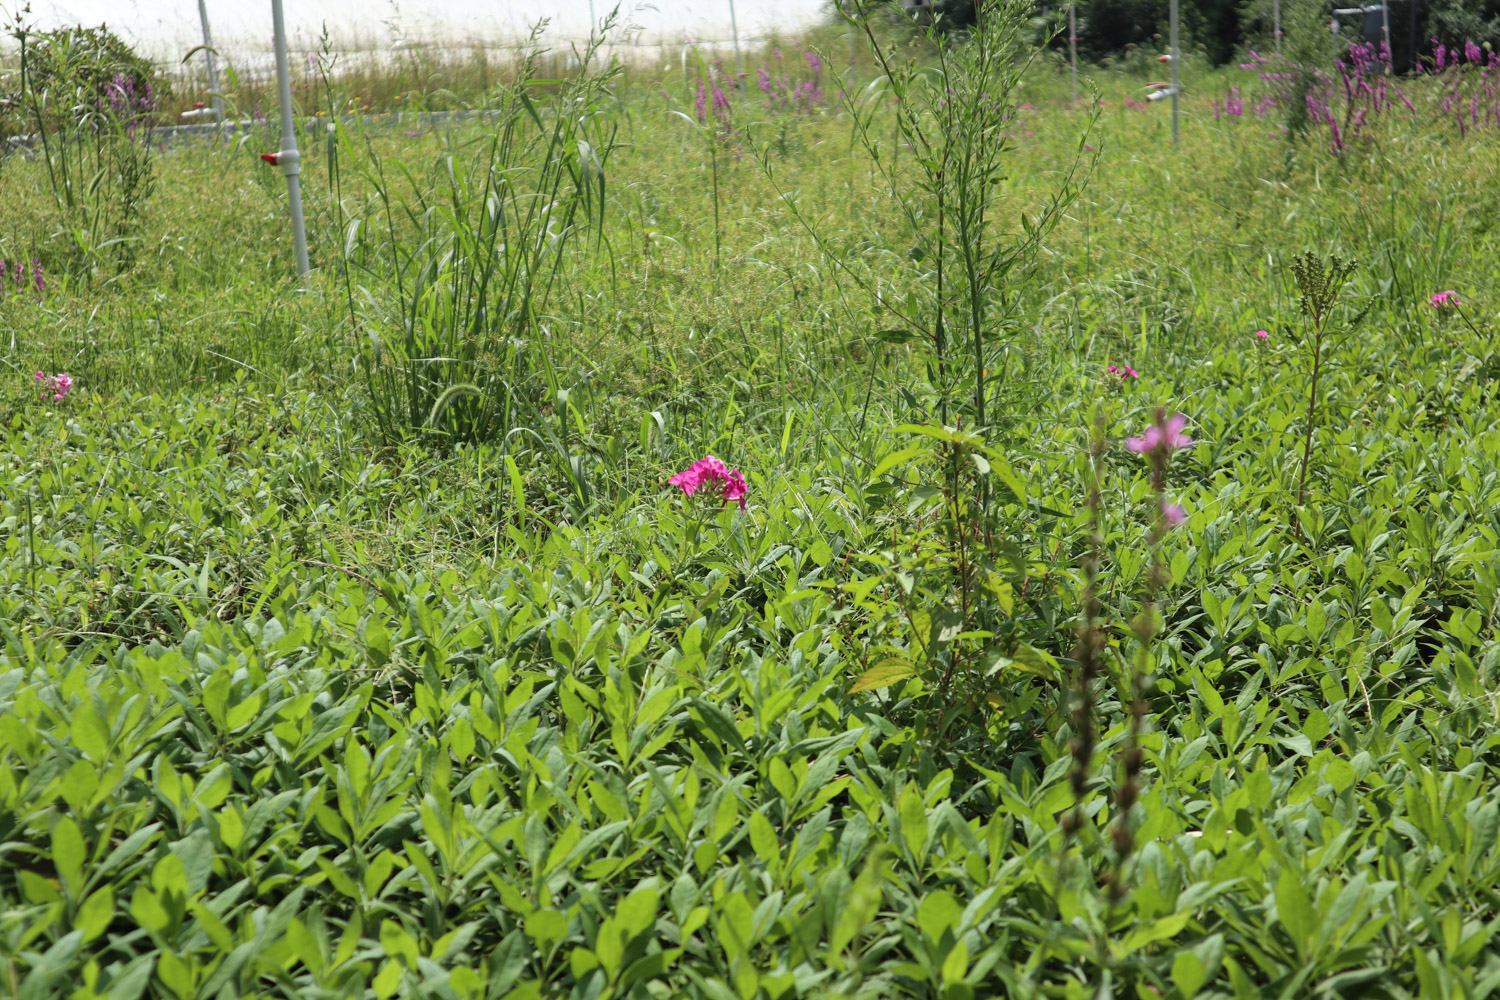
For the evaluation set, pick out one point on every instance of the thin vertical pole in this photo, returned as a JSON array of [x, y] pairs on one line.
[[1276, 23], [1176, 86], [288, 159], [1385, 27], [213, 64], [739, 60], [1073, 46]]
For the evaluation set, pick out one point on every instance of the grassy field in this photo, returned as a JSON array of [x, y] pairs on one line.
[[318, 679]]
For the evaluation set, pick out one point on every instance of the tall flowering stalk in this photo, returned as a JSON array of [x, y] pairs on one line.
[[1320, 284], [18, 275], [1088, 647], [712, 106], [1354, 92], [787, 95], [1156, 444]]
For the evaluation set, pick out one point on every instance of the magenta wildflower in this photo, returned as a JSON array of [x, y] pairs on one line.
[[735, 488], [54, 387], [1173, 514], [1445, 302], [1165, 437], [709, 472], [1123, 372], [1262, 334]]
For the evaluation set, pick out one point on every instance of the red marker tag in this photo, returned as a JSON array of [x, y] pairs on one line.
[[269, 158]]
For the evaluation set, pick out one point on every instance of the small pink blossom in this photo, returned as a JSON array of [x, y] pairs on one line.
[[1261, 334], [54, 387], [1165, 437], [1445, 302], [1124, 372], [709, 471], [1173, 514]]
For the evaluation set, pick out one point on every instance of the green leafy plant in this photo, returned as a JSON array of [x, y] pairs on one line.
[[89, 103], [459, 360], [956, 111]]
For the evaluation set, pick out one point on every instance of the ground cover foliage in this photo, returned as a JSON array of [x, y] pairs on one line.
[[319, 678]]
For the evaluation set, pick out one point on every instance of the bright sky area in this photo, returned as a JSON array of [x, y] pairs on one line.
[[161, 26]]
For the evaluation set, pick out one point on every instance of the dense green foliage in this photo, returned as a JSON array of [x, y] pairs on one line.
[[294, 704], [1223, 29]]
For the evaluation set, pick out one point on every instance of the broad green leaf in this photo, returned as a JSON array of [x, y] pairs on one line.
[[763, 838], [1188, 974], [885, 673], [95, 913], [69, 853], [913, 819]]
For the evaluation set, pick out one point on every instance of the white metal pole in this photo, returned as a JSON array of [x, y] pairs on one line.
[[1073, 46], [739, 60], [1176, 58], [288, 159], [1276, 23], [213, 64]]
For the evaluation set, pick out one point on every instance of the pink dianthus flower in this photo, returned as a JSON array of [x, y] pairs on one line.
[[1165, 436]]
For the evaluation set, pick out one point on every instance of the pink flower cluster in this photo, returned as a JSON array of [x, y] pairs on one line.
[[710, 472], [1125, 373], [54, 387], [1262, 334], [1445, 302], [1165, 437], [1158, 442]]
